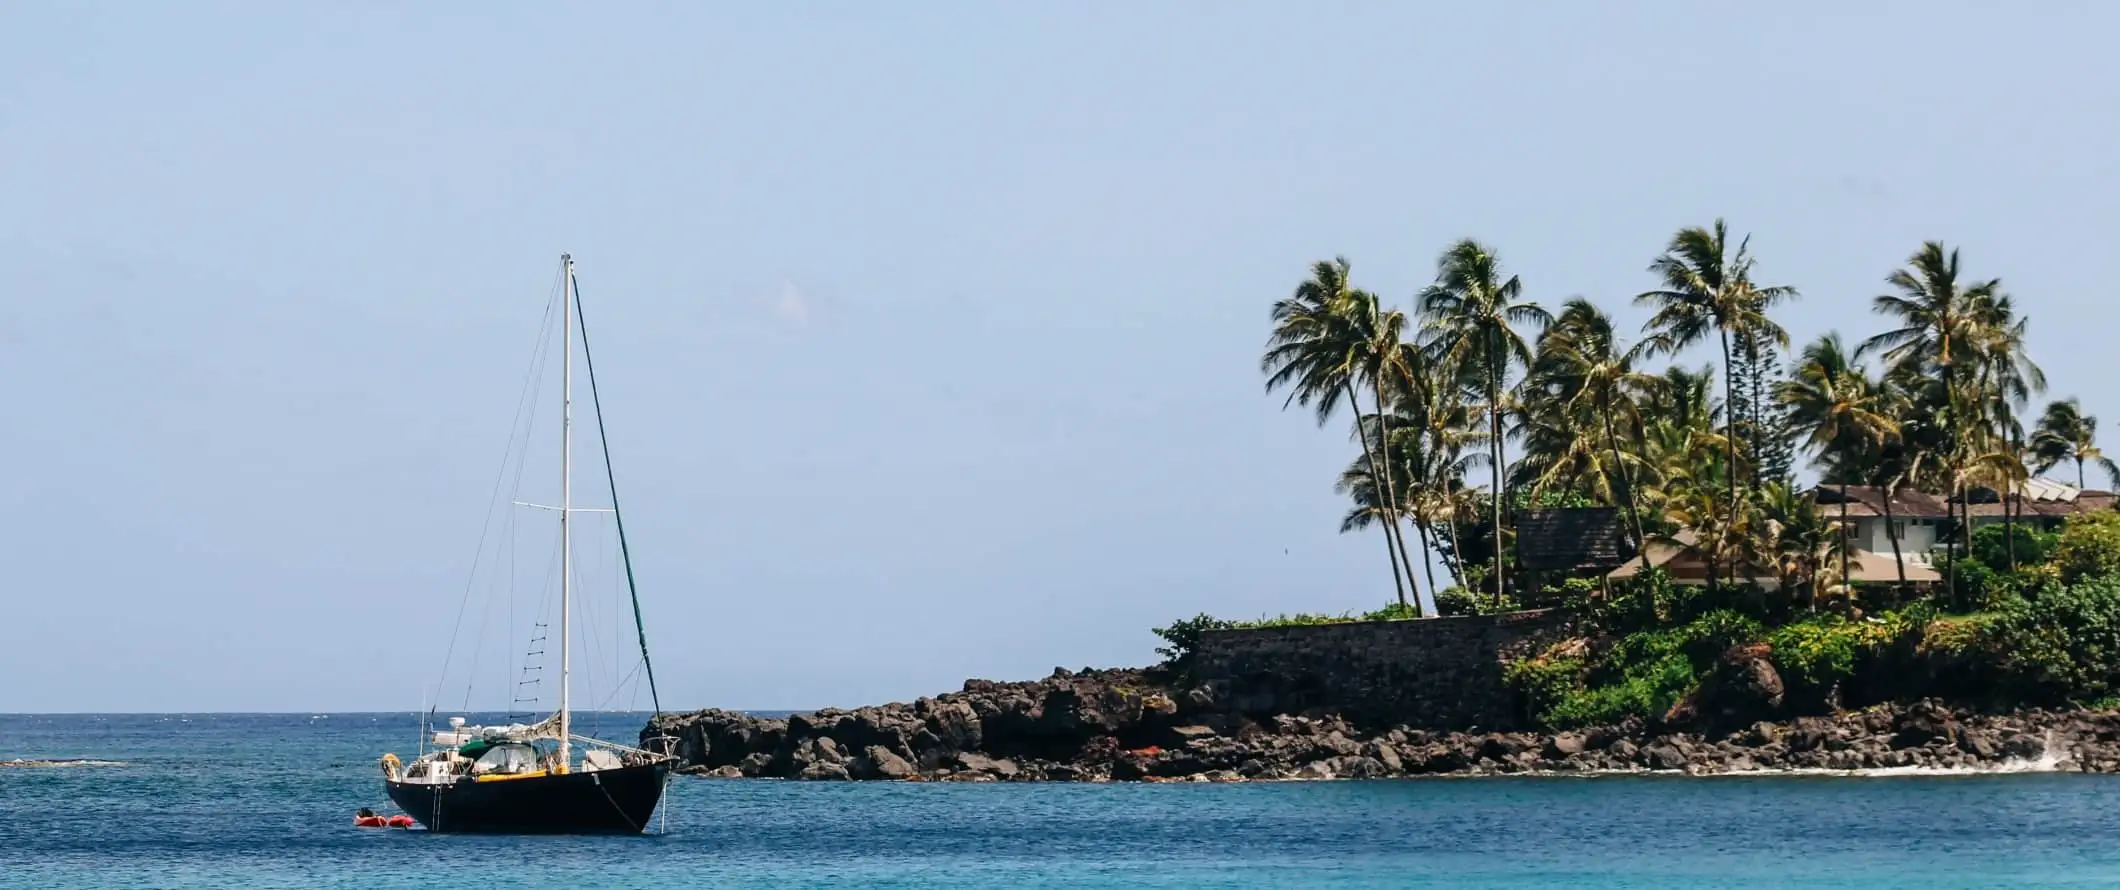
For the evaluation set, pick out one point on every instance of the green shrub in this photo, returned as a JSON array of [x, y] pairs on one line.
[[1954, 638], [2088, 547], [1977, 583], [2064, 645], [1991, 545], [1546, 680], [1647, 691], [1642, 675], [1184, 636], [1392, 612], [1818, 654], [1700, 641], [1455, 600], [1646, 601]]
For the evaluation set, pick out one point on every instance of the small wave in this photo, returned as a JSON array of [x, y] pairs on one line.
[[25, 764], [2011, 767]]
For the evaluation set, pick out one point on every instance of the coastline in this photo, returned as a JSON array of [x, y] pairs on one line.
[[1138, 726]]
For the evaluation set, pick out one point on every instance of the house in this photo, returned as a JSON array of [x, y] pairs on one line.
[[1922, 521], [1685, 564]]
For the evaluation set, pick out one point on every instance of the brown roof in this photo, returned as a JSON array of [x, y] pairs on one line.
[[1571, 538], [1684, 565], [1868, 500]]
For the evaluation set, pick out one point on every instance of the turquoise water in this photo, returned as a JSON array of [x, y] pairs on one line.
[[267, 801]]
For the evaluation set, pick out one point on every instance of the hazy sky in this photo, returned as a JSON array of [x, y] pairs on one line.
[[929, 331]]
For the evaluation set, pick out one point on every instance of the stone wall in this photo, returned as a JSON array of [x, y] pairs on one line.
[[1438, 673]]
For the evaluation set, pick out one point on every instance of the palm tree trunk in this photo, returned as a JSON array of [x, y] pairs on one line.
[[1391, 495], [1626, 479], [1494, 429], [1891, 530], [1964, 539], [1376, 475], [2079, 472], [1456, 562], [1730, 437], [1847, 581], [1421, 529], [2009, 523]]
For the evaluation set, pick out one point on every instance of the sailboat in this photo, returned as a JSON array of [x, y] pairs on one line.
[[523, 778]]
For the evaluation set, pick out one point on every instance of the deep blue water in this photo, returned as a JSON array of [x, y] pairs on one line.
[[267, 801]]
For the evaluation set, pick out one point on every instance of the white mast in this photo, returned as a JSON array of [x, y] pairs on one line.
[[566, 497]]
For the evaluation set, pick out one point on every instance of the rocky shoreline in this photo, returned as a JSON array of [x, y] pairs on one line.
[[1134, 725]]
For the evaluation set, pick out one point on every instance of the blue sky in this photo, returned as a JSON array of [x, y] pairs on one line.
[[929, 331]]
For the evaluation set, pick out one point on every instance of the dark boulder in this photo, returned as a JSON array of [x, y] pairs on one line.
[[1924, 723], [1665, 756], [1742, 688], [879, 762], [1565, 745]]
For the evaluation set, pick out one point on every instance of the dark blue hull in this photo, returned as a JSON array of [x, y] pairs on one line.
[[613, 801]]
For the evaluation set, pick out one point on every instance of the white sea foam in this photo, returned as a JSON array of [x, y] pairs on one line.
[[4, 764]]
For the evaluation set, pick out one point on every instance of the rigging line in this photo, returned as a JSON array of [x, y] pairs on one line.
[[619, 687], [512, 542], [505, 545], [591, 635], [603, 439], [487, 524], [543, 614]]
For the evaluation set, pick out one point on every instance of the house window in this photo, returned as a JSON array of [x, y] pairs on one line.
[[1899, 529]]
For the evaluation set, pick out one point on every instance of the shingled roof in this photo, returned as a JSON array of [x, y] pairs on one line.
[[1571, 538], [2047, 499]]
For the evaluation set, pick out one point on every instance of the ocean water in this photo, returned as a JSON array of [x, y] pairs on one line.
[[267, 801]]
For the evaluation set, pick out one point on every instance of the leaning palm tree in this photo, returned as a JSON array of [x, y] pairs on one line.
[[2067, 435], [1319, 350], [1433, 435], [1372, 506], [1707, 288], [1586, 373], [1388, 364], [1472, 319], [1845, 412]]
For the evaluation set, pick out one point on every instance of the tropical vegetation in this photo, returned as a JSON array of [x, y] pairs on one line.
[[1484, 401]]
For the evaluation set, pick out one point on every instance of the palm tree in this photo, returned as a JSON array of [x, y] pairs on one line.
[[1935, 314], [2067, 435], [1371, 507], [1584, 372], [1937, 320], [1388, 362], [1799, 545], [1471, 317], [1895, 463], [1845, 412], [1708, 288], [1320, 348], [1406, 457], [2005, 380], [1430, 436]]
